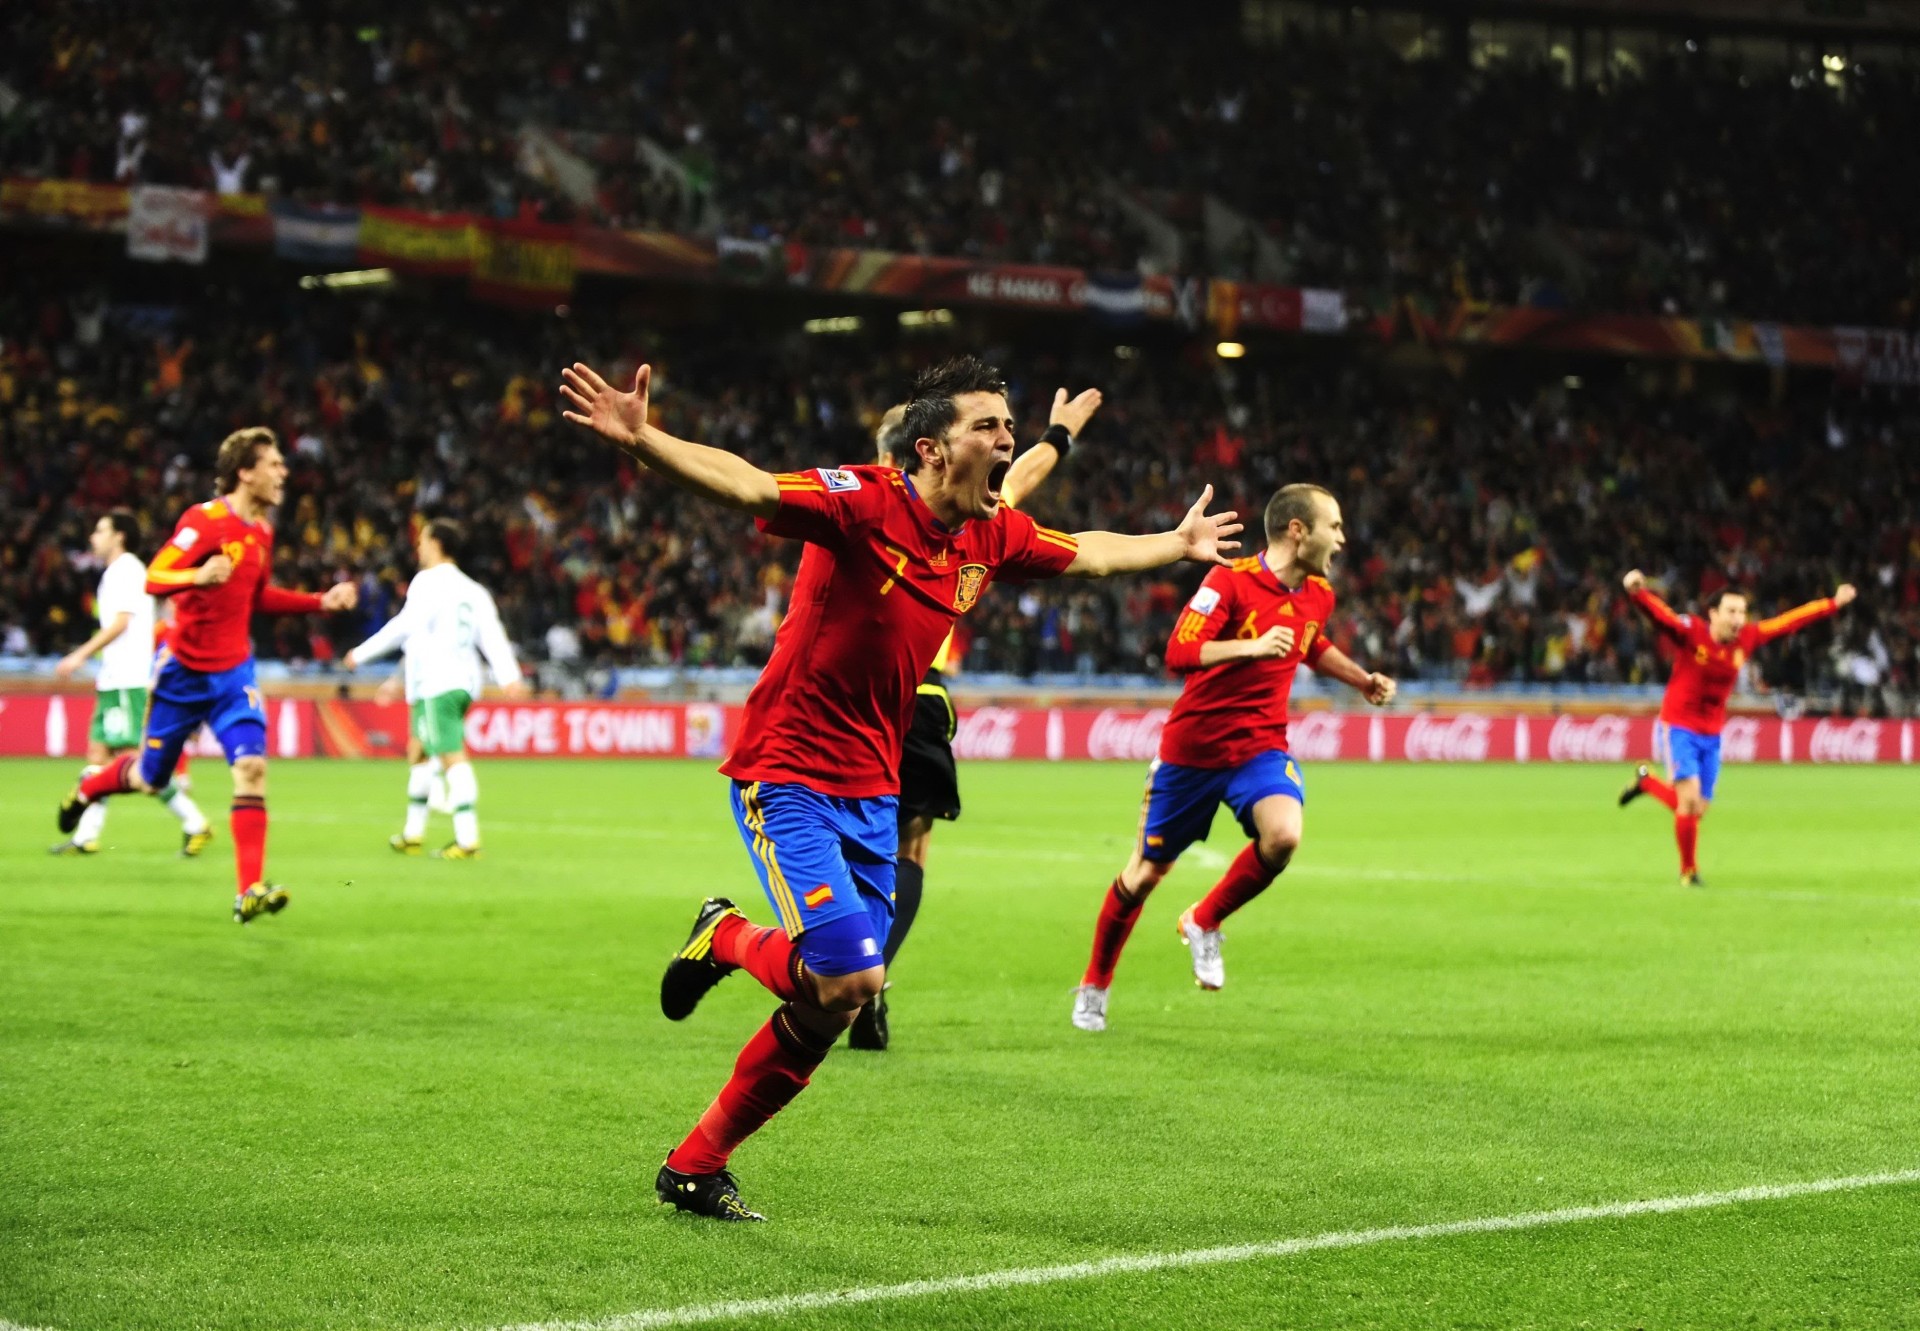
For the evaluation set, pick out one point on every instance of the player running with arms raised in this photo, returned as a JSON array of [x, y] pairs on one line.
[[1707, 659], [891, 561], [217, 568], [929, 780], [448, 623], [1240, 640], [125, 645]]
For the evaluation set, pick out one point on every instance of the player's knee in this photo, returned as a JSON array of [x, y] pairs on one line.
[[1143, 875], [850, 993], [1276, 847], [250, 774], [916, 834]]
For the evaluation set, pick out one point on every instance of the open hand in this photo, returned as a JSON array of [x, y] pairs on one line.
[[1074, 413], [69, 663], [1205, 533], [599, 406]]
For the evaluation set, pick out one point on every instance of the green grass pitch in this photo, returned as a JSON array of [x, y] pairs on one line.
[[434, 1095]]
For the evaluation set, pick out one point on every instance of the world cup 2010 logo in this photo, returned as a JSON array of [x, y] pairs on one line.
[[966, 587]]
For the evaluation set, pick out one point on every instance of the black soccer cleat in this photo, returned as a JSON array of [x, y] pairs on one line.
[[869, 1029], [1692, 880], [693, 970], [71, 807], [1635, 790], [714, 1195]]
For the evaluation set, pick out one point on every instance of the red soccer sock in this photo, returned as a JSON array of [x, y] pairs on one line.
[[1110, 931], [1686, 832], [1245, 879], [1660, 790], [774, 1067], [248, 822], [768, 955], [112, 779]]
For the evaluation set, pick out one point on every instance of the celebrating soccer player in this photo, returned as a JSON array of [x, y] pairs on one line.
[[448, 623], [1248, 628], [929, 781], [125, 644], [217, 567], [891, 561], [1707, 661]]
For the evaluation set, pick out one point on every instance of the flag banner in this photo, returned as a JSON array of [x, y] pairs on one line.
[[316, 235], [526, 264], [74, 203], [165, 224], [432, 244]]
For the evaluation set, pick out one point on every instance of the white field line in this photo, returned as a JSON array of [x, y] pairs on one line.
[[786, 1305]]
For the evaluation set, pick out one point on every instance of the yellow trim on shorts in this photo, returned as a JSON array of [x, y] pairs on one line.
[[763, 849]]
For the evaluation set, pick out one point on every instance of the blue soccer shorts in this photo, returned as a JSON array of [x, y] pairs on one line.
[[1688, 755], [183, 699], [1181, 801], [826, 864]]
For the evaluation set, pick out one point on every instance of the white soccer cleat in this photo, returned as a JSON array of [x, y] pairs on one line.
[[1209, 972], [1090, 1008]]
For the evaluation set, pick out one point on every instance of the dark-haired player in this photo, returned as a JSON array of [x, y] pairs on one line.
[[1707, 659], [1240, 640], [929, 780], [125, 643], [891, 561], [447, 624], [217, 567]]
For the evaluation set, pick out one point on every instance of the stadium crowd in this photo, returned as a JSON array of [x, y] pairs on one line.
[[1488, 527], [837, 125]]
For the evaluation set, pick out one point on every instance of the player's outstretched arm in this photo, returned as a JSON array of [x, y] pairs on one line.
[[1201, 538], [621, 419], [1656, 609], [1802, 615], [285, 601], [389, 638], [1037, 463], [1377, 688]]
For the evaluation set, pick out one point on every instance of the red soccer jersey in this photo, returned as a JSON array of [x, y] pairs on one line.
[[211, 624], [1704, 671], [1230, 712], [880, 584]]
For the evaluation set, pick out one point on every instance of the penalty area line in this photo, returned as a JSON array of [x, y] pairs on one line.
[[1017, 1277]]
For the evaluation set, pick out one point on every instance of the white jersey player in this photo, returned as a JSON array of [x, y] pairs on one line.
[[447, 626], [125, 646]]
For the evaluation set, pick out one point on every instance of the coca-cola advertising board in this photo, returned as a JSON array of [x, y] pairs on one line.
[[56, 725]]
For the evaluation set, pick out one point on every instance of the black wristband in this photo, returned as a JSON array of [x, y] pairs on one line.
[[1060, 437]]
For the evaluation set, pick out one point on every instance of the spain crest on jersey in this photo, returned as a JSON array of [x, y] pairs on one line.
[[966, 590]]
